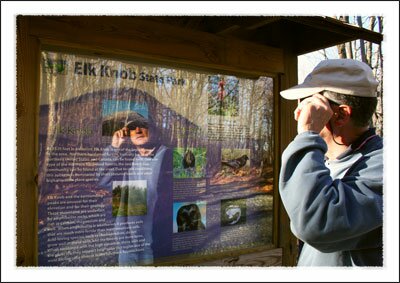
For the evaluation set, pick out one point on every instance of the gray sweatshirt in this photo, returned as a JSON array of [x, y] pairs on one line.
[[335, 206]]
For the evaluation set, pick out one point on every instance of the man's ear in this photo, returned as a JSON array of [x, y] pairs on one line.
[[342, 115]]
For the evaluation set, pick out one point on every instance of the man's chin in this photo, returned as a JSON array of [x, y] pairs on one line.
[[140, 141]]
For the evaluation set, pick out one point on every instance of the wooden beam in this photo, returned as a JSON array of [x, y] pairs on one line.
[[136, 37]]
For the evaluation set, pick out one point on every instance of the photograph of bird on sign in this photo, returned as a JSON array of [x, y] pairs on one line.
[[235, 162], [189, 216]]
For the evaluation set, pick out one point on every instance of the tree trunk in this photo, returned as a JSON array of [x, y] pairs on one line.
[[349, 50], [362, 44], [341, 47], [378, 116], [341, 51], [368, 46]]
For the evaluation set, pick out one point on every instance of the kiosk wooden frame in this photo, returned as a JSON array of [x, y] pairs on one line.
[[246, 46]]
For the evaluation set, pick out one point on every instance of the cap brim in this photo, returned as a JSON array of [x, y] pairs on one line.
[[300, 91]]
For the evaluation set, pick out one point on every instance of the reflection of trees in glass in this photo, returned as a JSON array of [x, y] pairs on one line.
[[262, 107], [184, 121], [254, 123], [129, 200], [188, 100]]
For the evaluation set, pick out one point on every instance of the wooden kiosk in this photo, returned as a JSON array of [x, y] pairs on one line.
[[245, 46]]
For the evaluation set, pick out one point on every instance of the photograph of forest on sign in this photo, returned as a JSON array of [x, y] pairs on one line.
[[223, 95], [129, 198]]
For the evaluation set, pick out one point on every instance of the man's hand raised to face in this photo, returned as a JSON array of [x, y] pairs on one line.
[[312, 114]]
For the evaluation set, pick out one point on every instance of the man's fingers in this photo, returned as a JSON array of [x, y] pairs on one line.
[[122, 132], [320, 99], [313, 113], [119, 137], [119, 133], [125, 131], [301, 105]]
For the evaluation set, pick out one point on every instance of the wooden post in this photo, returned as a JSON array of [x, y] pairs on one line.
[[287, 131], [28, 59]]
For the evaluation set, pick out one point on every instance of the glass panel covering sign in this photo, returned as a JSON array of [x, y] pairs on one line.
[[141, 163]]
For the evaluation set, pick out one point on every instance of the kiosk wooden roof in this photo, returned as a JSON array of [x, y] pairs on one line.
[[245, 45], [277, 31]]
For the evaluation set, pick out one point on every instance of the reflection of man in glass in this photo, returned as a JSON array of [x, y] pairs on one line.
[[136, 128], [137, 156]]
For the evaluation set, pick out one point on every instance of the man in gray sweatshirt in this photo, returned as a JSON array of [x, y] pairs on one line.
[[331, 176]]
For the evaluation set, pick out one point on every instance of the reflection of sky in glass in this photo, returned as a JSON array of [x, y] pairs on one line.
[[177, 205], [113, 106]]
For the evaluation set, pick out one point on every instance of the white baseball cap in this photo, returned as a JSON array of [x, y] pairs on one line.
[[345, 76]]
